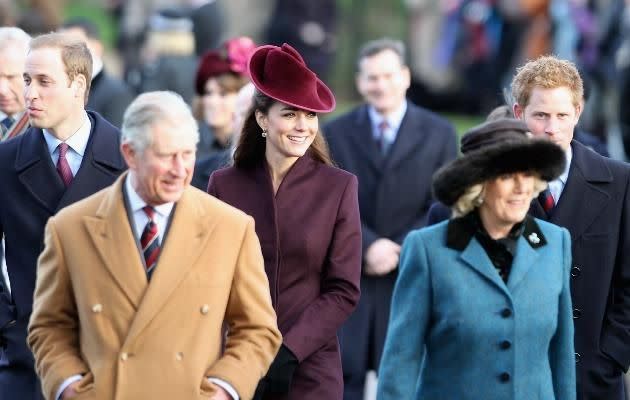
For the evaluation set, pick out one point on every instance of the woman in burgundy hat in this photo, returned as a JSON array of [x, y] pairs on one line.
[[307, 220], [220, 75]]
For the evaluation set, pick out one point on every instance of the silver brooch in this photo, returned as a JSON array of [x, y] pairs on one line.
[[533, 238]]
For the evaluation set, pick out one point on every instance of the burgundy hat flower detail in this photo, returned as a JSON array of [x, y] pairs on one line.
[[282, 74], [231, 57]]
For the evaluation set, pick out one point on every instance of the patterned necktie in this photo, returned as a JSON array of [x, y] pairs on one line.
[[546, 200], [63, 168], [150, 241], [380, 138], [7, 123]]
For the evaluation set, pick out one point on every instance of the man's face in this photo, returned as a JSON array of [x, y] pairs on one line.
[[51, 99], [11, 81], [551, 114], [161, 172], [383, 81]]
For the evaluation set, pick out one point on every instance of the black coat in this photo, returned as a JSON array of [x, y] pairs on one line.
[[109, 97], [595, 208], [32, 192]]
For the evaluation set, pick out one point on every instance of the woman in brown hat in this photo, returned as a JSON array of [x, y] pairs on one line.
[[482, 305], [220, 75], [307, 220]]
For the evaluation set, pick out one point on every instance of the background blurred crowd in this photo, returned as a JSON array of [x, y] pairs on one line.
[[462, 52]]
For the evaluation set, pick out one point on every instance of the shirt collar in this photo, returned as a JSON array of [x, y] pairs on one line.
[[393, 120], [136, 203], [77, 142], [565, 175]]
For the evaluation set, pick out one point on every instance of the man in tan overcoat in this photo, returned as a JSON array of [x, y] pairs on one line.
[[135, 282]]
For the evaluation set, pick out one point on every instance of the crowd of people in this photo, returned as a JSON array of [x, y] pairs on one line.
[[210, 237]]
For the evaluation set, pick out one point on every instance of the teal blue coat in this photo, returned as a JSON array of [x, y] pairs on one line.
[[457, 331]]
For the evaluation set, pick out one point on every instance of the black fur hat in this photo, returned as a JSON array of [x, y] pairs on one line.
[[504, 148]]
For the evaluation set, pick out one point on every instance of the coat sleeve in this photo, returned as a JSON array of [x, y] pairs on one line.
[[339, 294], [253, 338], [561, 350], [53, 332], [615, 340], [403, 353]]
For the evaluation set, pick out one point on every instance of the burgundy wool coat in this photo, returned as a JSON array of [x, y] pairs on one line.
[[310, 234]]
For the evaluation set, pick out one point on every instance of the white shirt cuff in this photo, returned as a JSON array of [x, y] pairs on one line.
[[224, 385], [66, 383]]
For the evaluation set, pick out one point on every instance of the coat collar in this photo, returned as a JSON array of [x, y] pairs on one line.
[[190, 227], [37, 172], [584, 191], [459, 237]]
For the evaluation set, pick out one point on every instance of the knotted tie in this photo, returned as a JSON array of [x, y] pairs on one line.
[[546, 200], [380, 138], [7, 123], [63, 168], [149, 241]]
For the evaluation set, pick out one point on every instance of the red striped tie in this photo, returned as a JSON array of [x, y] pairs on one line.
[[150, 241], [546, 200], [63, 168]]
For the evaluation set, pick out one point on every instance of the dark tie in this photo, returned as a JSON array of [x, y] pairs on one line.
[[7, 123], [380, 135], [63, 168], [546, 200], [150, 241]]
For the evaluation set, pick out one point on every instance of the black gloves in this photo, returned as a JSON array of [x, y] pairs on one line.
[[280, 374]]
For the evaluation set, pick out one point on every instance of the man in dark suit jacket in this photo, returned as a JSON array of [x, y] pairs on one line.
[[592, 200], [393, 147], [109, 96], [67, 155]]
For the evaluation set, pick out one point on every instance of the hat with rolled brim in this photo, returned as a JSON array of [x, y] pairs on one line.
[[516, 153], [282, 74]]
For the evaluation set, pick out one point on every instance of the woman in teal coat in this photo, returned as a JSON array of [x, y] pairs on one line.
[[482, 308]]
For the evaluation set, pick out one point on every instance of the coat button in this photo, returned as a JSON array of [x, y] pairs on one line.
[[506, 344], [124, 357], [504, 377], [575, 271], [577, 313], [204, 309], [97, 308], [179, 356], [506, 313], [577, 357]]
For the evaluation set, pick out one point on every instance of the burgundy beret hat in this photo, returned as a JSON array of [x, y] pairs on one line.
[[282, 74], [231, 57]]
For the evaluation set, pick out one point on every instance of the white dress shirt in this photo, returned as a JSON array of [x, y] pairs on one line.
[[557, 185], [393, 124], [140, 219]]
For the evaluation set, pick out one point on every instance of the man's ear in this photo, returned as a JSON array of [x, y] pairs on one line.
[[518, 111], [129, 154], [79, 83]]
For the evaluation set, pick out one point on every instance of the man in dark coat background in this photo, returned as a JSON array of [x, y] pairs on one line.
[[67, 155], [109, 96], [393, 147], [592, 200]]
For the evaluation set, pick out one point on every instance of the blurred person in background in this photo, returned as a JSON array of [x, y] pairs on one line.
[[393, 147], [204, 168], [220, 75], [307, 219], [13, 49], [109, 96]]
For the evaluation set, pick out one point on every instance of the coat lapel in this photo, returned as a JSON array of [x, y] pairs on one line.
[[362, 137], [526, 256], [581, 192], [36, 171], [190, 228], [114, 240], [475, 256], [410, 134]]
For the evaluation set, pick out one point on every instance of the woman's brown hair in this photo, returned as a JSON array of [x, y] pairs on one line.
[[250, 150]]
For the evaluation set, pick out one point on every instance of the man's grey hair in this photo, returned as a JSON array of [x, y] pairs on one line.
[[12, 36], [377, 46], [153, 108]]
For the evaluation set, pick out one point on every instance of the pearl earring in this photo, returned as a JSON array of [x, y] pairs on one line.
[[264, 133]]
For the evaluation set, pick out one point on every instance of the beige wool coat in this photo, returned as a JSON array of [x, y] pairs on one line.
[[95, 313]]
